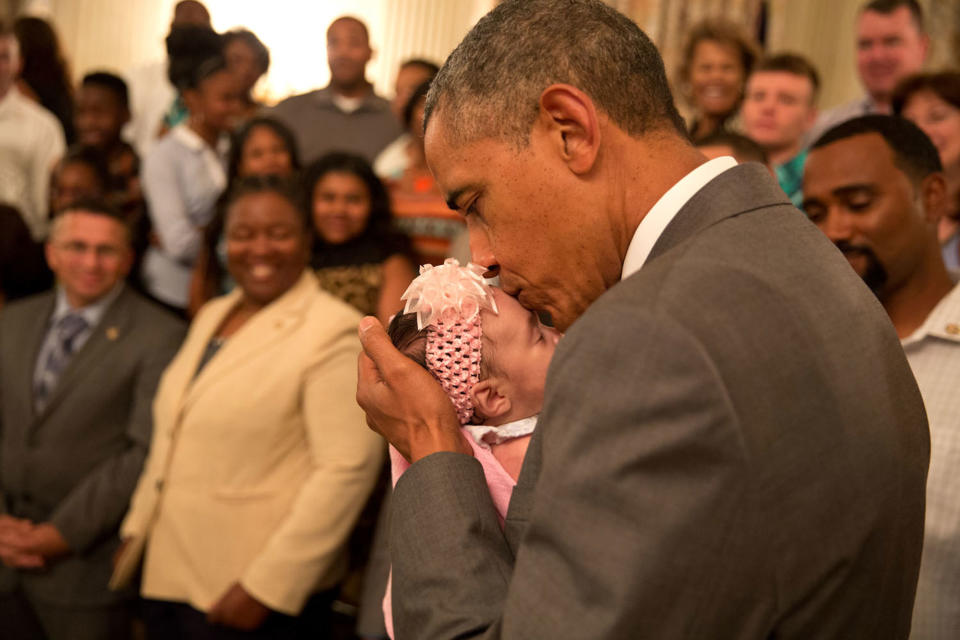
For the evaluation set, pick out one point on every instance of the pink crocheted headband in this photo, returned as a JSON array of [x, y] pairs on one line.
[[447, 300]]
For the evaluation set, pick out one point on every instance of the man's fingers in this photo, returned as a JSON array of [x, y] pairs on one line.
[[377, 345]]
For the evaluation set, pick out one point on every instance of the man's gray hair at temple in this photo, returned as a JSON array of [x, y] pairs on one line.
[[490, 85]]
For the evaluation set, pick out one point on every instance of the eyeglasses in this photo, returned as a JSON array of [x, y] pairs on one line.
[[78, 249]]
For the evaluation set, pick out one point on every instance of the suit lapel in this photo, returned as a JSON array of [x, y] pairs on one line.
[[112, 326], [263, 329], [743, 188], [34, 333]]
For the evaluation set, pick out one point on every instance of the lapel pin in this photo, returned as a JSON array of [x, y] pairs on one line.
[[112, 333], [953, 329]]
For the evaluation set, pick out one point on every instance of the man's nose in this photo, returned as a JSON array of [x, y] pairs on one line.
[[481, 252], [836, 225]]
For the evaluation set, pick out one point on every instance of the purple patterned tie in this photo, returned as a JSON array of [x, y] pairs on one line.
[[65, 332]]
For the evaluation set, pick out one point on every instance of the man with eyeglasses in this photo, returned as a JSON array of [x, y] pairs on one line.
[[78, 370]]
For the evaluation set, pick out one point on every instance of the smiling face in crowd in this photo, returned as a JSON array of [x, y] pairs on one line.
[[265, 153], [99, 116], [89, 253], [889, 48], [716, 77], [940, 120], [341, 207], [267, 245]]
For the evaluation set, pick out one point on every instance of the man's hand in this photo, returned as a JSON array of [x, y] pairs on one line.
[[25, 545], [238, 609], [404, 403]]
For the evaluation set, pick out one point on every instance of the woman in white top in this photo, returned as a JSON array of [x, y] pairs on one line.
[[183, 175]]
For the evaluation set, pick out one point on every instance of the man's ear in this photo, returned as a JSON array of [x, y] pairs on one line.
[[570, 118], [933, 197], [489, 400]]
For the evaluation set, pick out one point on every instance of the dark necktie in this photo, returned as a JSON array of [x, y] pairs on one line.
[[65, 336]]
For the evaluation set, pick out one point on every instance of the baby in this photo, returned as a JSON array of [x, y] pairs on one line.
[[491, 357]]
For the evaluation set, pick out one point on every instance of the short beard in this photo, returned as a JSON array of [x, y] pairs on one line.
[[876, 275]]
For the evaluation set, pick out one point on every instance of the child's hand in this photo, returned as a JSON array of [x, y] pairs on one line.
[[404, 403]]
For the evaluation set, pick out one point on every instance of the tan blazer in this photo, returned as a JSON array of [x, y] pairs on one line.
[[260, 464]]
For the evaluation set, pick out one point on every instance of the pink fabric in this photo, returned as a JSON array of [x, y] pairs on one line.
[[453, 357], [498, 481]]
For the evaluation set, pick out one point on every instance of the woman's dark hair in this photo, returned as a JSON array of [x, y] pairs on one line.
[[379, 240], [287, 188], [945, 85], [243, 133], [23, 269], [45, 69], [92, 158], [419, 94], [249, 38], [188, 49]]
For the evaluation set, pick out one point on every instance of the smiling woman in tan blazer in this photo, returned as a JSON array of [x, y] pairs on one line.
[[261, 461]]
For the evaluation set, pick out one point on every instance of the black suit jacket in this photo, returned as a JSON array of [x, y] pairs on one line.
[[75, 464], [732, 446]]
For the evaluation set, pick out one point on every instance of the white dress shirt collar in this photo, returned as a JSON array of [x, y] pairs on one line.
[[942, 323], [92, 312], [666, 208]]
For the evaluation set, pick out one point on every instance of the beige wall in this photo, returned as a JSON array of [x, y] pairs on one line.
[[822, 31], [120, 35]]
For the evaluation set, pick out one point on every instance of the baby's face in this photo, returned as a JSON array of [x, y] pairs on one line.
[[522, 349]]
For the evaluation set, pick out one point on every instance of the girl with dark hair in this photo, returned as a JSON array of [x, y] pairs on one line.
[[932, 102], [45, 75], [261, 147], [249, 60], [357, 255], [420, 209], [183, 175]]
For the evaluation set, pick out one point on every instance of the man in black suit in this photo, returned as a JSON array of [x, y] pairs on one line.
[[732, 444], [78, 371]]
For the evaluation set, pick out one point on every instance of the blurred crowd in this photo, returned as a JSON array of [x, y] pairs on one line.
[[183, 270]]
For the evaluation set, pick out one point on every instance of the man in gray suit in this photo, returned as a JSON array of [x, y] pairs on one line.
[[78, 370], [732, 444]]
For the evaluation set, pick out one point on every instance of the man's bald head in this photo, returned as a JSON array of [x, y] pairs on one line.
[[190, 12], [351, 23], [491, 84]]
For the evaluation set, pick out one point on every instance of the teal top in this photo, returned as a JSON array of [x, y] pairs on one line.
[[790, 177]]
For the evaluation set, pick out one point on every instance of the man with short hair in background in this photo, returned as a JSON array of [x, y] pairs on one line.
[[891, 45], [31, 141], [78, 370], [874, 186], [779, 107], [346, 115]]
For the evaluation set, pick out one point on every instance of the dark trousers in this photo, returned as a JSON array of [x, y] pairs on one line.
[[166, 620], [23, 618]]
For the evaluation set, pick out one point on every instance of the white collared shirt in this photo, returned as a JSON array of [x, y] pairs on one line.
[[666, 208], [933, 351], [31, 142], [182, 179]]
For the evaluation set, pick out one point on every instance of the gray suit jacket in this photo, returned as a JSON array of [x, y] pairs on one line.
[[732, 446], [76, 463]]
